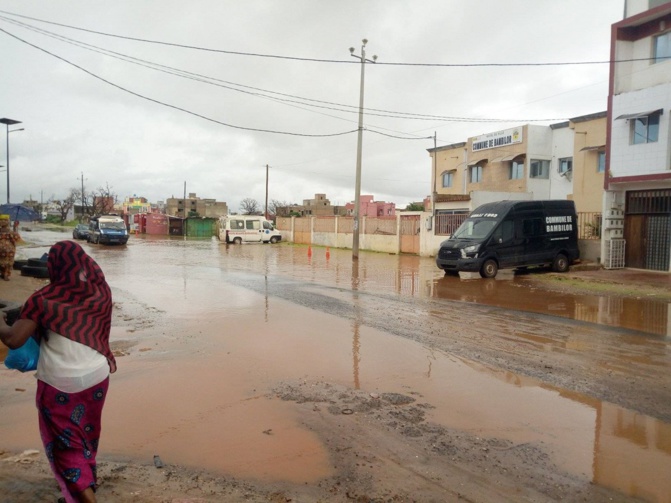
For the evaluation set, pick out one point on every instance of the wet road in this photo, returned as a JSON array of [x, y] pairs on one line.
[[209, 329]]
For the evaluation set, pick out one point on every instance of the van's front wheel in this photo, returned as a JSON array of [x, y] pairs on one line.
[[237, 241], [489, 269], [560, 263]]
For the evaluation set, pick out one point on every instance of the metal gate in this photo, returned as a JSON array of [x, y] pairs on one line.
[[647, 229], [410, 234], [302, 230]]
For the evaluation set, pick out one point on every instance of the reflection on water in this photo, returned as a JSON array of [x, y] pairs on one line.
[[401, 274], [632, 453], [262, 338]]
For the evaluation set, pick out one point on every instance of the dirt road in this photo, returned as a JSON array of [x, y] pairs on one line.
[[260, 375]]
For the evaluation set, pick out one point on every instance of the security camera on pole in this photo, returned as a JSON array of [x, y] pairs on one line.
[[357, 193]]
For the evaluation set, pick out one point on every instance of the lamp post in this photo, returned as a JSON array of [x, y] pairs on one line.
[[357, 184], [7, 123]]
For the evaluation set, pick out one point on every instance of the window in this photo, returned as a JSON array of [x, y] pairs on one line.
[[539, 169], [565, 165], [645, 129], [504, 232], [253, 225], [601, 163], [532, 227], [516, 170], [662, 48], [237, 224], [476, 173], [448, 179]]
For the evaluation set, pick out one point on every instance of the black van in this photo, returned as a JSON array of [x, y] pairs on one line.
[[510, 234]]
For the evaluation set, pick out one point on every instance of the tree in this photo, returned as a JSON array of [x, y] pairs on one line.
[[249, 206], [415, 207], [65, 205], [101, 201], [279, 208]]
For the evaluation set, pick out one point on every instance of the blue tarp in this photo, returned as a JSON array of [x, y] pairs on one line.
[[20, 213]]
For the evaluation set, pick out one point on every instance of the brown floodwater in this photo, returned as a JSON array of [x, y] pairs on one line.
[[211, 329]]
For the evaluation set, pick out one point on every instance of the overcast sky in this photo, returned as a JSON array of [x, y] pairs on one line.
[[189, 114]]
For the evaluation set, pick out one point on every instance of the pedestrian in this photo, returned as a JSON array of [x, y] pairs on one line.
[[8, 240], [72, 317]]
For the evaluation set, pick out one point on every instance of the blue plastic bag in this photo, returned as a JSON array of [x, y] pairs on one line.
[[24, 359]]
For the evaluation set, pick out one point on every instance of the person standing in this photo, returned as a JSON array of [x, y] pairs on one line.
[[72, 317], [8, 240]]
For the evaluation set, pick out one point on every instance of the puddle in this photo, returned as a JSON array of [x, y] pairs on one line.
[[207, 351]]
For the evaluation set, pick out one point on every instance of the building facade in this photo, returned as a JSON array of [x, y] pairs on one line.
[[637, 182], [523, 163], [320, 206], [194, 205], [368, 207]]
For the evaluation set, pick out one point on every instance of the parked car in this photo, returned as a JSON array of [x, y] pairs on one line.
[[247, 228], [513, 234], [81, 231]]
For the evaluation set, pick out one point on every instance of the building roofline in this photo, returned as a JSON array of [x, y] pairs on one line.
[[590, 117], [559, 125], [644, 17], [447, 147]]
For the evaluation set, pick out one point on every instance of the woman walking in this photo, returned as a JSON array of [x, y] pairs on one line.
[[8, 240], [72, 315]]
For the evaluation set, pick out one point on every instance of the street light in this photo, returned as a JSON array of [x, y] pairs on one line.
[[357, 189], [7, 123]]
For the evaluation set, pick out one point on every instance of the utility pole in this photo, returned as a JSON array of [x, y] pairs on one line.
[[81, 213], [267, 191], [357, 184]]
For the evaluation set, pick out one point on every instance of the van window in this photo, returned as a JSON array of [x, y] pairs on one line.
[[253, 224], [532, 227], [268, 225], [504, 232], [474, 229], [237, 224], [112, 225]]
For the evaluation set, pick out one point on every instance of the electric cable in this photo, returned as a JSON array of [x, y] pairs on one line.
[[205, 79], [323, 60]]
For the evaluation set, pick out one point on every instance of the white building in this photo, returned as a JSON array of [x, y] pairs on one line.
[[637, 197]]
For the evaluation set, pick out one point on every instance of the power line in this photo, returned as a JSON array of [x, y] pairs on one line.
[[174, 107], [322, 60], [206, 80]]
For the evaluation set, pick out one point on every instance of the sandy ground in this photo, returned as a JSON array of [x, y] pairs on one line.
[[381, 445]]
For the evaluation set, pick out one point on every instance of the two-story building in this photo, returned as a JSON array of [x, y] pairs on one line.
[[194, 205], [368, 207], [637, 199]]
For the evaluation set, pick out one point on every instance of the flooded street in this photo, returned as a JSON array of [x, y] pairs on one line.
[[273, 362]]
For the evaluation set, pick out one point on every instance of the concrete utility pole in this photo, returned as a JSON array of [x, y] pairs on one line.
[[357, 188], [267, 191], [81, 213]]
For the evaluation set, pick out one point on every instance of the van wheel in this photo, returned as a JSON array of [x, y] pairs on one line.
[[274, 240], [560, 263], [237, 241], [489, 269]]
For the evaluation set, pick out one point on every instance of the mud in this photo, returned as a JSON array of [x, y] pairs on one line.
[[259, 373]]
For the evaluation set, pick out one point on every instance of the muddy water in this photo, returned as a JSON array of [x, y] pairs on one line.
[[210, 329]]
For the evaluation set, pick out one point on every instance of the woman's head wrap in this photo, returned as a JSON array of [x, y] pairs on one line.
[[77, 303]]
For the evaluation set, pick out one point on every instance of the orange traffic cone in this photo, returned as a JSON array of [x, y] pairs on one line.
[[309, 251], [328, 253]]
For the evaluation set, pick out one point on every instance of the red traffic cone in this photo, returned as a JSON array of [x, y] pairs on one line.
[[309, 251], [328, 253]]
